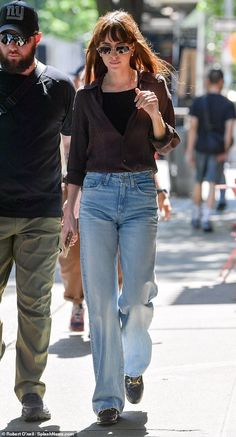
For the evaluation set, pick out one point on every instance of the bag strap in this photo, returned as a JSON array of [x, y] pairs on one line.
[[10, 101], [208, 124]]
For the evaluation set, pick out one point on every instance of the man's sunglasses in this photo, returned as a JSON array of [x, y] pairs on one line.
[[7, 38], [119, 50]]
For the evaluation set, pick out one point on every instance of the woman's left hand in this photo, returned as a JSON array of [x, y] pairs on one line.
[[148, 101], [164, 205]]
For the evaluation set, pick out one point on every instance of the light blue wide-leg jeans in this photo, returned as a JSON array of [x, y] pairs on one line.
[[118, 214]]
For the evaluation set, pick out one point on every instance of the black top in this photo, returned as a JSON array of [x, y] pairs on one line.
[[96, 145], [30, 162], [118, 107], [219, 110]]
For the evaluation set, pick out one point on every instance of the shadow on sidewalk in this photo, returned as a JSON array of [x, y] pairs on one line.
[[131, 424], [30, 428], [72, 347], [223, 293]]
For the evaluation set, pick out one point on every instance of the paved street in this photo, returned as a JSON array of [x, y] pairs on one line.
[[190, 386]]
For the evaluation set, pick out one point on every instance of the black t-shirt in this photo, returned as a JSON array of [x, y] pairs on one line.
[[114, 104], [30, 162], [219, 110]]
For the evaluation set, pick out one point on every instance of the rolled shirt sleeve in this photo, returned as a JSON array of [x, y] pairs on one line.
[[76, 168], [171, 137]]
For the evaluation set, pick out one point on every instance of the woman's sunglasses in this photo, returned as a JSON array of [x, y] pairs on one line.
[[119, 50], [7, 38]]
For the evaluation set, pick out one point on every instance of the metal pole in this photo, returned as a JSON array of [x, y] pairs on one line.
[[228, 8]]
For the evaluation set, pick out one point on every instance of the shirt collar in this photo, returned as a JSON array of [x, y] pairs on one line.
[[143, 76]]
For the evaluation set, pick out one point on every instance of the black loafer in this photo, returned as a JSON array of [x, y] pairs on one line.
[[134, 389], [108, 417], [33, 408]]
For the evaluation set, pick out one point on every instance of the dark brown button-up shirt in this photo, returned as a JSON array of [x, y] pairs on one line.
[[97, 146]]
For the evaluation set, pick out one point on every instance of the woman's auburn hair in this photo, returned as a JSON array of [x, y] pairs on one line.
[[121, 27]]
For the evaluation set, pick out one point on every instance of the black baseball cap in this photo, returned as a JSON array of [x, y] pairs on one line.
[[20, 17]]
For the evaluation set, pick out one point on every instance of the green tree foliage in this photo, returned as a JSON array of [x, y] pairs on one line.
[[214, 7], [67, 19], [70, 19]]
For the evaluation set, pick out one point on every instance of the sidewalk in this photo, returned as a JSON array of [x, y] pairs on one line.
[[190, 386]]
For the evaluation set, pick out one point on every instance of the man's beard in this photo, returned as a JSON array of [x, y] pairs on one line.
[[14, 66]]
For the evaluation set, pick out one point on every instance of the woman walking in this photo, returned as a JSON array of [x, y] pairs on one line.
[[122, 116]]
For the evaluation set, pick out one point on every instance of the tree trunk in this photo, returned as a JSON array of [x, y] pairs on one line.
[[104, 6], [134, 7]]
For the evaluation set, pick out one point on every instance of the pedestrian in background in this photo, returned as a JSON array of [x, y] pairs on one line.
[[70, 265], [36, 108], [78, 76], [121, 117], [210, 136]]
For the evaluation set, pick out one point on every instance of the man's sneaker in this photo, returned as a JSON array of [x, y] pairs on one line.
[[221, 206], [33, 408], [110, 416], [134, 389], [3, 348], [207, 226], [77, 318], [196, 223]]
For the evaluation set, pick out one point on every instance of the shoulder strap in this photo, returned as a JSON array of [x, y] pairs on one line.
[[208, 124], [18, 93]]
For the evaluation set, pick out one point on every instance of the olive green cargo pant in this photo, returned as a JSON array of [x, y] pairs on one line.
[[33, 244]]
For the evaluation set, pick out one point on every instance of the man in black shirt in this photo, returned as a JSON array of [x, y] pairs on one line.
[[209, 138], [30, 193]]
